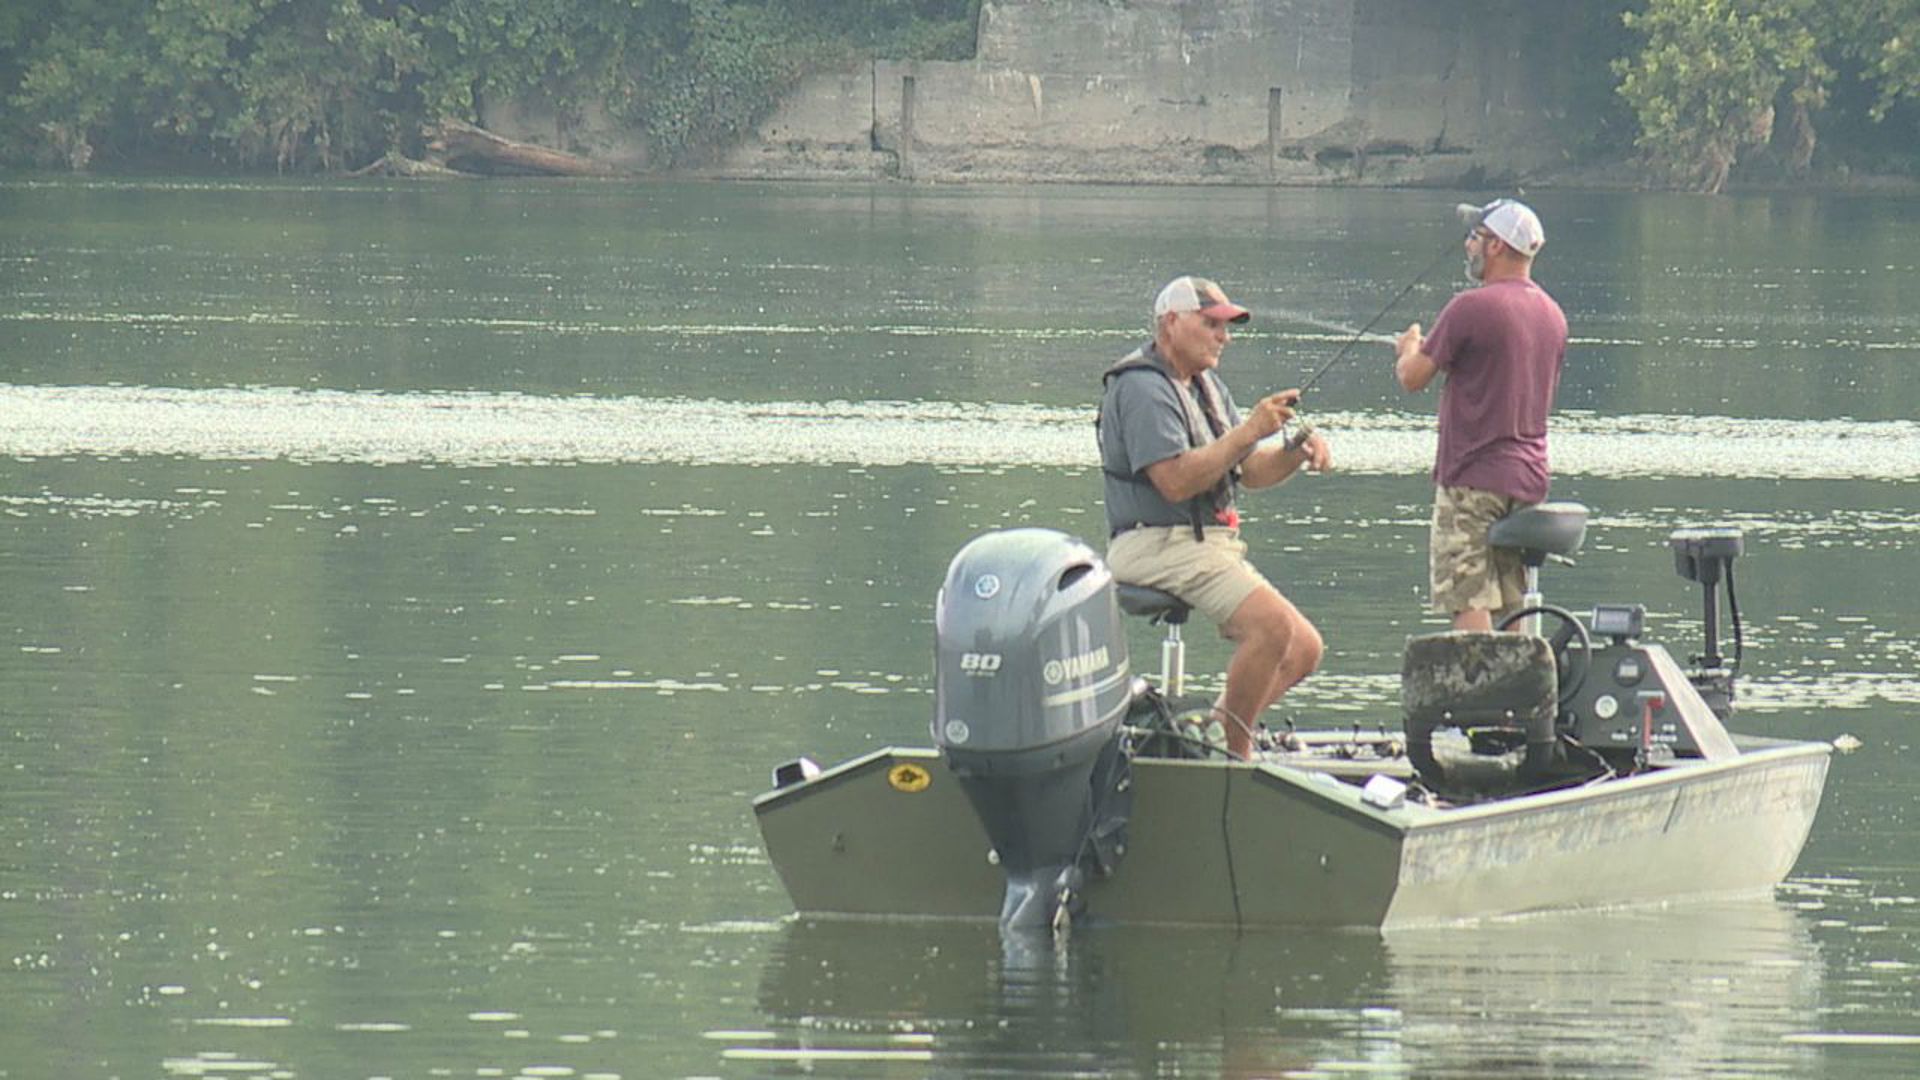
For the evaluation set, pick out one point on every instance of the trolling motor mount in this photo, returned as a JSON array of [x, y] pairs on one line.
[[1706, 555]]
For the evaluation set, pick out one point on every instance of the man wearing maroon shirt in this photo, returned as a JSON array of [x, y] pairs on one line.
[[1500, 346]]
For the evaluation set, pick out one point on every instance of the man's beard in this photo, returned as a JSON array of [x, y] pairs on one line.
[[1476, 265]]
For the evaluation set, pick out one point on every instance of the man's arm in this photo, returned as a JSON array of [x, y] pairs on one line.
[[1411, 365], [1189, 474], [1272, 465], [1186, 475]]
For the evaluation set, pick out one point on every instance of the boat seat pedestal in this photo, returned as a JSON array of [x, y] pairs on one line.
[[1551, 530], [1160, 606]]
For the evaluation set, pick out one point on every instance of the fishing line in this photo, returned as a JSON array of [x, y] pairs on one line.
[[1299, 438], [1226, 807], [1371, 323], [1290, 315]]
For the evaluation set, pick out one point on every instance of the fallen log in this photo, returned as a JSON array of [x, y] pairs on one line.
[[394, 163], [463, 145]]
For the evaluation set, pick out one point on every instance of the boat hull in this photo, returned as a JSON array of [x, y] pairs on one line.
[[1214, 843]]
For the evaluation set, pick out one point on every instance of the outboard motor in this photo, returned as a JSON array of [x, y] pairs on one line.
[[1032, 682]]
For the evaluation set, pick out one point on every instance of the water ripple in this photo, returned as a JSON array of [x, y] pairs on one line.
[[510, 428]]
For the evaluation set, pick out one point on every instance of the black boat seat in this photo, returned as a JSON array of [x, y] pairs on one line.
[[1156, 605], [1554, 528]]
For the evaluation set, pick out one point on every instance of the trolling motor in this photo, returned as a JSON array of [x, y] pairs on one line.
[[1706, 556], [1031, 685]]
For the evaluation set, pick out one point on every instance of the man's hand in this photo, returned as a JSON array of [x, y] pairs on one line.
[[1273, 464], [1412, 367], [1410, 339], [1319, 455], [1272, 412]]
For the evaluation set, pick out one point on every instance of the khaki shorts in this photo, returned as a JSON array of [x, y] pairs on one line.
[[1464, 572], [1213, 577]]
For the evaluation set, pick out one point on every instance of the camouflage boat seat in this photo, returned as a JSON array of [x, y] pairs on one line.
[[1470, 679]]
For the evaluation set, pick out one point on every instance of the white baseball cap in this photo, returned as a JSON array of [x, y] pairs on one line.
[[1509, 219], [1188, 293]]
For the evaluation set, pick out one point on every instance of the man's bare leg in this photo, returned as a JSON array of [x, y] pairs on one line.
[[1473, 619], [1302, 659], [1276, 647]]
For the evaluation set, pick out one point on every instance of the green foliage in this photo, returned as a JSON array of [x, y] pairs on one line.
[[321, 86], [87, 79], [1714, 75], [735, 63], [1884, 37], [562, 49], [88, 60], [729, 62], [1705, 84], [331, 84]]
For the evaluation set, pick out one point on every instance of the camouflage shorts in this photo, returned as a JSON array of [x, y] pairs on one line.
[[1465, 573]]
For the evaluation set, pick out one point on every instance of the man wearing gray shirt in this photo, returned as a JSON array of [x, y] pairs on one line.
[[1175, 451]]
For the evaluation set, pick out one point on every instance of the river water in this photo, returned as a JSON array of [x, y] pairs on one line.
[[407, 587]]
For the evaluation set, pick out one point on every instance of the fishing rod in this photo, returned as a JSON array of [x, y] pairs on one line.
[[1371, 323], [1299, 438]]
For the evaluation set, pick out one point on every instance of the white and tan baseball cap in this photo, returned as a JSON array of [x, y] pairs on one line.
[[1509, 219], [1189, 293]]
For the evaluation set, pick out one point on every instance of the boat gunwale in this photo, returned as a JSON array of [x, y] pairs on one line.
[[1759, 750], [838, 773], [1685, 770]]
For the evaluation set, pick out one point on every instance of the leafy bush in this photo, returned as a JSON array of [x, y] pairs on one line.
[[1715, 78], [1704, 86], [331, 84]]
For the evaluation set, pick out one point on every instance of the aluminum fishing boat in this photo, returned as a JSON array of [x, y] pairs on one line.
[[1563, 763]]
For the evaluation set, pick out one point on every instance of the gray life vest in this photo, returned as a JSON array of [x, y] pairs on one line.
[[1202, 508]]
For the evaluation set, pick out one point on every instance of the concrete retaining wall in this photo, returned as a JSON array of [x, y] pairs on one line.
[[1184, 91]]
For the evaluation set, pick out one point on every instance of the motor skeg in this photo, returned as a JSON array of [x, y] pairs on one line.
[[1031, 685]]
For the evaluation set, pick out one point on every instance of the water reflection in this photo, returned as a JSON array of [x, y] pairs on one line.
[[1676, 992], [1686, 991]]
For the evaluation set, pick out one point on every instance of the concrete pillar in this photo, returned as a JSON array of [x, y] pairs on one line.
[[906, 127], [1274, 95]]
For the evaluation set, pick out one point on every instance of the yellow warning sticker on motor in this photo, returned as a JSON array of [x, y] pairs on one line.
[[909, 778]]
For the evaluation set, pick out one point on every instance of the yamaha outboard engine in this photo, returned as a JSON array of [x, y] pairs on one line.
[[1032, 684]]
